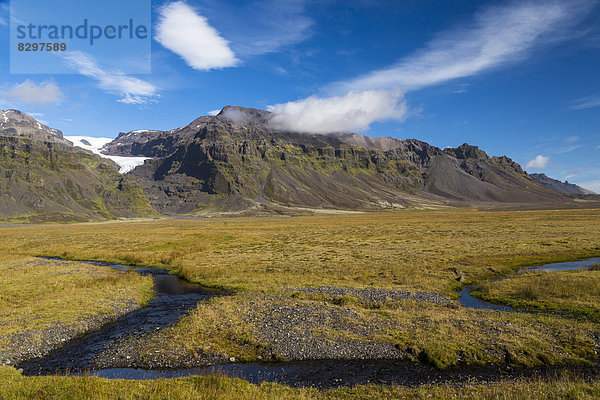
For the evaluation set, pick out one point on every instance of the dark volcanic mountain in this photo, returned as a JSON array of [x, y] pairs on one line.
[[44, 178], [563, 187], [236, 161]]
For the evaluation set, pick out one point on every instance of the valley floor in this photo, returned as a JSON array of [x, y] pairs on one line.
[[358, 286]]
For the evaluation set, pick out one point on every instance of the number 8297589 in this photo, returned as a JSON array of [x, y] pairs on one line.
[[42, 46]]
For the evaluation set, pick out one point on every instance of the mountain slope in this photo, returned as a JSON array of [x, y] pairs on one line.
[[44, 178], [236, 161], [563, 187]]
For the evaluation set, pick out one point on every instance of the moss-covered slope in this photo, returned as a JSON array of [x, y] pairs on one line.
[[44, 181], [236, 161]]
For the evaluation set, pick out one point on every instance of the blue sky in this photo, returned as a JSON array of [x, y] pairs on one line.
[[515, 78]]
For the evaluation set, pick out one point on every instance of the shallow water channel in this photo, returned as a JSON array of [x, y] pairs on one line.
[[176, 296], [466, 300]]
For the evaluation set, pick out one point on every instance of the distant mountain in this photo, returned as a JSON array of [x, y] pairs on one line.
[[44, 178], [17, 123], [237, 162], [563, 187]]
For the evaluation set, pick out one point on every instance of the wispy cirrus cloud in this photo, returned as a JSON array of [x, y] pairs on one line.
[[275, 25], [31, 93], [586, 102], [590, 185], [538, 162], [131, 90], [4, 14], [188, 34], [257, 27], [497, 36]]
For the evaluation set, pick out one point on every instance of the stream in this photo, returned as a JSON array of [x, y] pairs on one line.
[[176, 296], [466, 300]]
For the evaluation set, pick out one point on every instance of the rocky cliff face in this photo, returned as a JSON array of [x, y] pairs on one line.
[[44, 178], [236, 161]]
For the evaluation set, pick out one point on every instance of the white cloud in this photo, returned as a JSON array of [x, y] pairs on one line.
[[538, 163], [131, 90], [188, 34], [352, 112], [497, 36], [214, 112], [29, 92], [586, 102]]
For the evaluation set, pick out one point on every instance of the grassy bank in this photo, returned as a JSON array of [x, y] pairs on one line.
[[575, 293], [40, 294], [440, 335], [15, 387]]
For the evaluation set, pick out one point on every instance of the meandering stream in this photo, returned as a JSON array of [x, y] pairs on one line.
[[466, 300], [176, 296]]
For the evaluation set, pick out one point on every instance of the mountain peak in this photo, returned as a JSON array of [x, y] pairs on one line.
[[242, 115], [467, 151], [18, 123]]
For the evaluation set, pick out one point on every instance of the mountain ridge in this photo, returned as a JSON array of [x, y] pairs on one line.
[[237, 161], [564, 187], [44, 178]]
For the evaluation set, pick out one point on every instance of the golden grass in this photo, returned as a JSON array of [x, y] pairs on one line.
[[38, 294], [405, 249], [572, 292], [16, 387]]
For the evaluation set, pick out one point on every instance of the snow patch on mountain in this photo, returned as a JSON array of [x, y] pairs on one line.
[[95, 144]]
